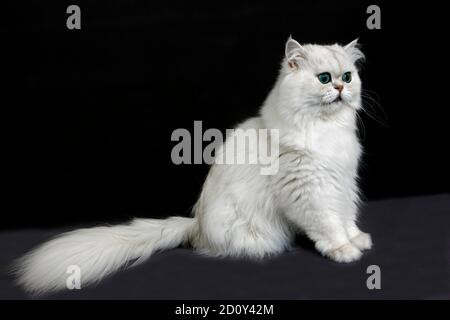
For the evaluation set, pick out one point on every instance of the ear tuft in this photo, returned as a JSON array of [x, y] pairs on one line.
[[353, 51], [294, 52]]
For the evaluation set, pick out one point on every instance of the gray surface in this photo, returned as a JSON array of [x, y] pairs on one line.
[[412, 248]]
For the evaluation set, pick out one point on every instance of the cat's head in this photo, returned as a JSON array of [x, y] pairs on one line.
[[320, 80]]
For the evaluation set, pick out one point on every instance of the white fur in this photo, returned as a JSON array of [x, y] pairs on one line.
[[241, 212], [98, 252]]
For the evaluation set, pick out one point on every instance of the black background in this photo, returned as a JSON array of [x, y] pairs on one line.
[[88, 114]]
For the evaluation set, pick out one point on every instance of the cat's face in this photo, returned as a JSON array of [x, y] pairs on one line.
[[321, 80]]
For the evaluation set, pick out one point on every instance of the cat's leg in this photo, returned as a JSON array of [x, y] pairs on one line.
[[309, 197], [241, 229], [360, 239], [325, 228]]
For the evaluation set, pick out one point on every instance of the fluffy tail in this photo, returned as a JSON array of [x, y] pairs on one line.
[[98, 252]]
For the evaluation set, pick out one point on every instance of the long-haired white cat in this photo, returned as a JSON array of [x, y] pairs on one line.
[[241, 212]]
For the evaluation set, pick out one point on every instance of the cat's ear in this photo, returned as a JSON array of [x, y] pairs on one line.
[[294, 53], [353, 51]]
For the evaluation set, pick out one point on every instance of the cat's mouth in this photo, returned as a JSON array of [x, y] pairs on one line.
[[338, 99]]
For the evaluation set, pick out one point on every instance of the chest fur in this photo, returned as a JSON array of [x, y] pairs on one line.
[[339, 145]]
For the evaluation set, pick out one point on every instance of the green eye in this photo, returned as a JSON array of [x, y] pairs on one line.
[[324, 77], [347, 77]]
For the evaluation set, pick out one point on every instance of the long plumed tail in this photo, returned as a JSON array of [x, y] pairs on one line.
[[98, 252]]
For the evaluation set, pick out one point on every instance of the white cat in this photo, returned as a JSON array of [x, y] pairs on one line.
[[241, 212]]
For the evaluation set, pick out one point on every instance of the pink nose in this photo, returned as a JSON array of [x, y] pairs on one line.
[[339, 87]]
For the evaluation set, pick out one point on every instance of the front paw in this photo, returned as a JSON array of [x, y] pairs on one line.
[[346, 253], [363, 241]]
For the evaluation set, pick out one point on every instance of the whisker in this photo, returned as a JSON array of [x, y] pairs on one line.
[[374, 118], [360, 123], [367, 94]]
